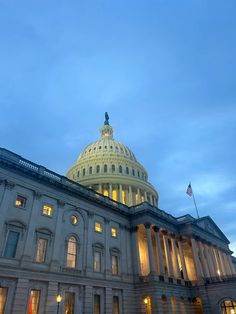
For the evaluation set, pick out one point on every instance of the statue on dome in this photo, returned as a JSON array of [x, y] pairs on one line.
[[106, 119]]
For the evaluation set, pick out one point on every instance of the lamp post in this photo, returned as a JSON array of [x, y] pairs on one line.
[[59, 298]]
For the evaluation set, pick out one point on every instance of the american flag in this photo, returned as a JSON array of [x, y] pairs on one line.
[[189, 190]]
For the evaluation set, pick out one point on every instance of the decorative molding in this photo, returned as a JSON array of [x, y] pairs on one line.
[[60, 203], [37, 195], [9, 185]]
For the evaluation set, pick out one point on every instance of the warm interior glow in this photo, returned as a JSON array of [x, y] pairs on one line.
[[105, 192], [59, 298], [98, 226], [114, 195], [113, 232], [145, 300], [218, 272], [47, 210], [123, 197]]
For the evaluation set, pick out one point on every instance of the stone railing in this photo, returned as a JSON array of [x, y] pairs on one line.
[[211, 280], [9, 157]]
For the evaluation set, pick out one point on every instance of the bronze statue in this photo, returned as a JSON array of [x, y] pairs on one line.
[[106, 119]]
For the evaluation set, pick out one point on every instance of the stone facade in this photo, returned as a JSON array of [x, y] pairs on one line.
[[148, 261]]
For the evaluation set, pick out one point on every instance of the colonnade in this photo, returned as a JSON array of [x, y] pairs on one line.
[[125, 194], [165, 253]]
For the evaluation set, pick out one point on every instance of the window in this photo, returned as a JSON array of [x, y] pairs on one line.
[[41, 250], [120, 169], [69, 303], [138, 174], [96, 304], [98, 169], [127, 170], [228, 306], [116, 305], [113, 232], [148, 305], [84, 172], [90, 170], [114, 264], [71, 253], [11, 244], [78, 174], [98, 226], [20, 201], [133, 172], [33, 306], [113, 168], [74, 220], [97, 262], [3, 299], [47, 210], [105, 168]]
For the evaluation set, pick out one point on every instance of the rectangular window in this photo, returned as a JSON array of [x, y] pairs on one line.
[[69, 303], [116, 305], [41, 250], [33, 306], [98, 226], [96, 304], [71, 252], [47, 210], [113, 232], [97, 262], [3, 299], [11, 245], [20, 201], [114, 263]]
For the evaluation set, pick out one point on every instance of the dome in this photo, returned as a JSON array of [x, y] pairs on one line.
[[110, 168]]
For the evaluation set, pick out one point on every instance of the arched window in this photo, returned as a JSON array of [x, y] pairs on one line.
[[148, 305], [71, 252], [182, 306], [133, 172], [78, 174], [138, 174], [105, 168], [228, 306], [197, 306], [120, 169], [173, 305], [84, 172], [98, 169], [127, 170], [113, 168], [90, 170], [164, 304]]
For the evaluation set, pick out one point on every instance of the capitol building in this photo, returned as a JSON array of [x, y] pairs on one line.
[[95, 241]]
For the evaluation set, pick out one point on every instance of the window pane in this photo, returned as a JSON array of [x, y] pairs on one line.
[[96, 305], [47, 210], [3, 299], [41, 250], [98, 226], [116, 305], [69, 303], [20, 201], [33, 307], [113, 232], [11, 245], [71, 252], [97, 261]]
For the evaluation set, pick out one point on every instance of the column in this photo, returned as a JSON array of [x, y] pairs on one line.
[[100, 188], [130, 196], [108, 301], [209, 261], [203, 260], [181, 254], [150, 248], [168, 257], [107, 248], [110, 190], [215, 267], [139, 196], [21, 296], [120, 193], [88, 300], [226, 264], [161, 268], [175, 258], [224, 272], [196, 259], [135, 248], [51, 304], [219, 269], [145, 196], [89, 256], [151, 198], [231, 264]]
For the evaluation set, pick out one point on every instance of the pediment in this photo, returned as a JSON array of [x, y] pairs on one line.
[[209, 225]]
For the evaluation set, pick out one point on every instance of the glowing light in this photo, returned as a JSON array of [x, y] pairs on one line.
[[113, 232], [232, 311], [98, 226], [145, 300], [218, 272], [59, 298]]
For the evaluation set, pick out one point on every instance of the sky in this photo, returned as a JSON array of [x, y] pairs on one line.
[[164, 70]]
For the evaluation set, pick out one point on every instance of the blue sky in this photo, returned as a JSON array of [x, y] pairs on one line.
[[165, 72]]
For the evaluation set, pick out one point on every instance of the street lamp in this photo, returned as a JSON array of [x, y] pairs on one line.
[[59, 298]]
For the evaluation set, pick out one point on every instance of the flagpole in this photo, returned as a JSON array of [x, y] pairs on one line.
[[195, 205]]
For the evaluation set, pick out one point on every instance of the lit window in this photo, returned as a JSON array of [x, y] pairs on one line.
[[114, 195], [20, 201], [116, 305], [47, 210], [33, 306], [98, 226], [41, 250], [114, 264], [123, 197], [69, 303], [96, 304], [105, 192], [11, 245], [3, 299], [74, 220], [71, 252], [113, 232], [97, 261]]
